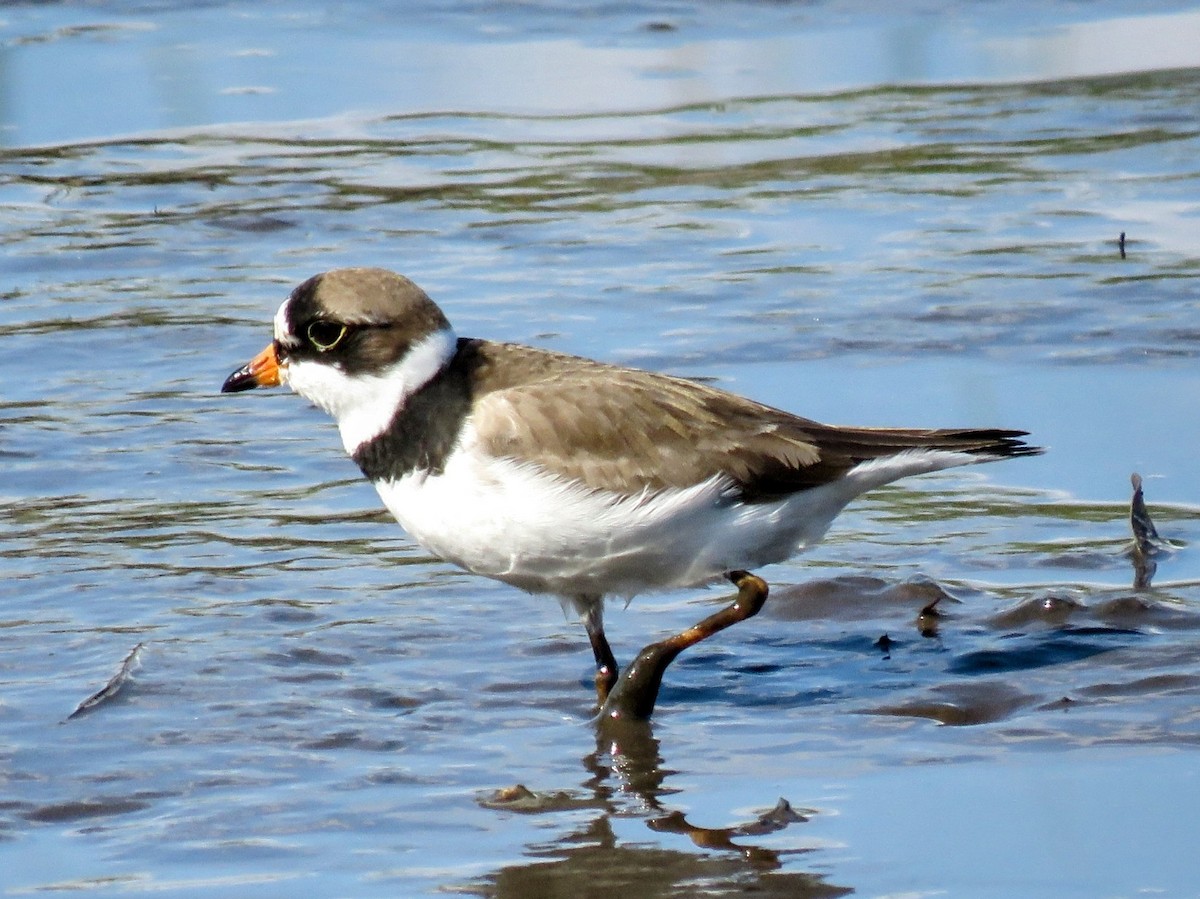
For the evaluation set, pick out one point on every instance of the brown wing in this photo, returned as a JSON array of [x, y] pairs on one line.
[[627, 430]]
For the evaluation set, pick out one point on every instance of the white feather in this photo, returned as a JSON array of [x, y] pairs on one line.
[[281, 329], [363, 405], [518, 524]]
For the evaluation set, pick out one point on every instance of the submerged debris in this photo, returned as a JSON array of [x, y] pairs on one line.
[[1052, 608], [113, 687], [783, 814], [884, 645], [1144, 531], [1146, 541], [519, 798], [927, 620]]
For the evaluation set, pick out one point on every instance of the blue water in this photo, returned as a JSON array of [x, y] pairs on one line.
[[863, 215]]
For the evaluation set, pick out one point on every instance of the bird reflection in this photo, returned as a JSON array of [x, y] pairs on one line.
[[627, 774]]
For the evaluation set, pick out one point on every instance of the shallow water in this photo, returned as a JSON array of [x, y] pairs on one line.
[[861, 216]]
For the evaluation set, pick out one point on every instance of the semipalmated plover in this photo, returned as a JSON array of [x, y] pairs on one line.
[[563, 475]]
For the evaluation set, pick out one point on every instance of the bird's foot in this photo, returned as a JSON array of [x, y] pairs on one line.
[[636, 690]]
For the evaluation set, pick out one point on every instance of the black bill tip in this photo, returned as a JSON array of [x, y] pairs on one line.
[[242, 379], [261, 371]]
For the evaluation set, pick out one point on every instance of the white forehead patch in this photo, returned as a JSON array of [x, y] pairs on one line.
[[281, 331]]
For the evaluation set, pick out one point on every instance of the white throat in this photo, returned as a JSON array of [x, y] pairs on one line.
[[363, 405]]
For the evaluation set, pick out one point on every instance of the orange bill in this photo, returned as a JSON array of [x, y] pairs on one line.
[[261, 371]]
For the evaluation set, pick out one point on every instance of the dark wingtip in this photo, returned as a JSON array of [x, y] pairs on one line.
[[242, 379], [1005, 444]]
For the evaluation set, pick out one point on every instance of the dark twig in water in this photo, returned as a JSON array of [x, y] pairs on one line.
[[1145, 536], [884, 645], [113, 687], [1121, 244], [927, 621]]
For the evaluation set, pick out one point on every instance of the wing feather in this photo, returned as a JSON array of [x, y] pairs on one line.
[[627, 430]]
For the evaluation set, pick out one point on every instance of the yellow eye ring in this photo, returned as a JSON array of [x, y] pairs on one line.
[[325, 335]]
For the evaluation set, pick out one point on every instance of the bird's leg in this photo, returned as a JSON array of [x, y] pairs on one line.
[[606, 662], [637, 690]]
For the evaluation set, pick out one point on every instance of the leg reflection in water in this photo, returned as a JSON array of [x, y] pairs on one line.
[[599, 858]]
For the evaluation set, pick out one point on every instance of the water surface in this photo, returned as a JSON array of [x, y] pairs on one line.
[[863, 216]]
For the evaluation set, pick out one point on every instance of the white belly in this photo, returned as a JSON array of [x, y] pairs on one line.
[[510, 522], [505, 522]]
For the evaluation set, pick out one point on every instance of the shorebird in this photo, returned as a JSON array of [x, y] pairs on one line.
[[563, 475]]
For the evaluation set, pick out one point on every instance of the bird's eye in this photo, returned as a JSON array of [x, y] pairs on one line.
[[325, 335]]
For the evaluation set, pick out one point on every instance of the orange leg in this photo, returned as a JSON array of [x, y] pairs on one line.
[[606, 662], [637, 689]]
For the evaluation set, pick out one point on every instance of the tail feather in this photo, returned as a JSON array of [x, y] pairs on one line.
[[844, 449], [997, 443]]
